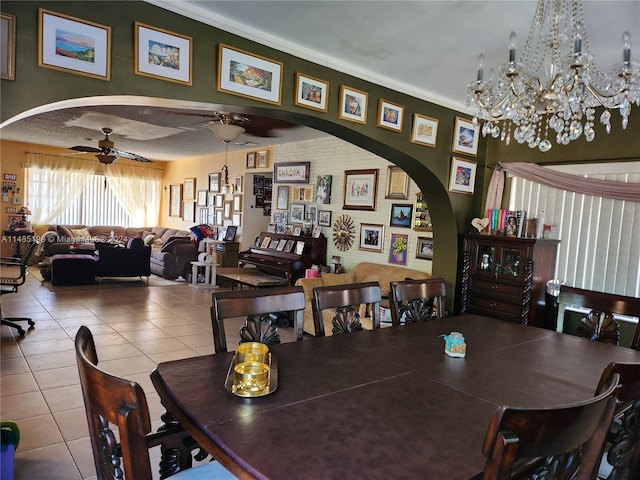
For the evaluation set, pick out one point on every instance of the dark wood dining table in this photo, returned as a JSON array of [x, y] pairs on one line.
[[384, 404]]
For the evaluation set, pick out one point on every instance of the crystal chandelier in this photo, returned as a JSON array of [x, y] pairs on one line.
[[555, 87]]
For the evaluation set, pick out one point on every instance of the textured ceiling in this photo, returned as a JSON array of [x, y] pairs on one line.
[[428, 49]]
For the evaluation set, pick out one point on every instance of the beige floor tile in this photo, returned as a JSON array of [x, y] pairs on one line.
[[8, 347], [51, 360], [63, 398], [145, 335], [12, 366], [38, 432], [47, 346], [83, 456], [23, 405], [159, 346], [125, 367], [72, 423], [18, 383], [172, 321], [173, 355], [57, 377], [39, 334], [78, 321], [111, 352], [129, 326], [50, 463], [202, 340]]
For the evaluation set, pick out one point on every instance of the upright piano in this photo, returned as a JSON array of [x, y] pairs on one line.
[[287, 256]]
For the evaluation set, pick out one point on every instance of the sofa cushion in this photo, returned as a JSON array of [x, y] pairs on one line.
[[331, 279], [64, 232], [81, 234], [384, 274], [308, 284], [149, 239], [135, 242]]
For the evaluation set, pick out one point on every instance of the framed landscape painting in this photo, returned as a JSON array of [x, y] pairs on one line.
[[311, 92], [162, 54], [401, 215], [73, 45], [248, 75], [465, 137], [360, 189]]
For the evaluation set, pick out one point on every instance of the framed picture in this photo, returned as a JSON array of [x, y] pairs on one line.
[[324, 218], [371, 237], [237, 203], [424, 248], [258, 180], [303, 194], [237, 184], [289, 246], [360, 189], [462, 176], [231, 233], [219, 216], [291, 172], [189, 192], [265, 242], [293, 230], [73, 45], [296, 212], [311, 92], [300, 247], [162, 54], [398, 249], [14, 222], [271, 228], [317, 230], [401, 215], [425, 130], [8, 47], [397, 184], [219, 200], [248, 75], [390, 115], [465, 137], [353, 105], [277, 217], [175, 200], [323, 189], [214, 182], [202, 198], [312, 213], [211, 199], [251, 160], [189, 211], [203, 215], [226, 207], [262, 159], [281, 244]]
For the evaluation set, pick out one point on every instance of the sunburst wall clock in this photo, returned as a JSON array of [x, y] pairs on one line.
[[343, 232]]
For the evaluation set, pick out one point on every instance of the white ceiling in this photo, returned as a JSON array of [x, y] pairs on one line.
[[427, 49]]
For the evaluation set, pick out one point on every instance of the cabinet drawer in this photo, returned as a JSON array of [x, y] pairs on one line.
[[492, 305], [514, 291]]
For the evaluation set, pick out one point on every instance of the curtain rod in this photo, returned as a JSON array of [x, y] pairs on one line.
[[495, 166], [71, 155]]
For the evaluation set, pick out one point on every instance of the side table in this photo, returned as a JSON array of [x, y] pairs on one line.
[[209, 274]]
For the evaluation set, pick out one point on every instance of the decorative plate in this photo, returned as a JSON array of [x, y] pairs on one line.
[[343, 232]]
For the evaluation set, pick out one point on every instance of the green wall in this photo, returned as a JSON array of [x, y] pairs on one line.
[[429, 167]]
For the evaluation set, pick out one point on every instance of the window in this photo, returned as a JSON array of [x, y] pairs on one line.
[[600, 247], [70, 191]]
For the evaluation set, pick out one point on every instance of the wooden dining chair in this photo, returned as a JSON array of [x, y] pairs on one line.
[[623, 453], [599, 324], [110, 402], [570, 439], [260, 307], [342, 303], [413, 301]]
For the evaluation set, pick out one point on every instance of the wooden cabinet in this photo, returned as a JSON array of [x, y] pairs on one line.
[[505, 277]]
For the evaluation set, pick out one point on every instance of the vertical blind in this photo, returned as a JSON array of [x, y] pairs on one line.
[[599, 237]]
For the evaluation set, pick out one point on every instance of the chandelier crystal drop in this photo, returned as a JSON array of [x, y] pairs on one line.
[[553, 89]]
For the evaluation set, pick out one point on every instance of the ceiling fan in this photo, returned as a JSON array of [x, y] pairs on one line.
[[107, 153]]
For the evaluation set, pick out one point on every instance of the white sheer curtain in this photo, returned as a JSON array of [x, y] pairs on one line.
[[138, 190], [55, 180]]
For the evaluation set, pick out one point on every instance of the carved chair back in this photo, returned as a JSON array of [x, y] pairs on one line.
[[600, 324], [417, 300], [570, 438], [345, 299], [257, 306], [624, 436], [112, 401]]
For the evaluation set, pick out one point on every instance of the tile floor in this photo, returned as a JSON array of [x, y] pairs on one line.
[[134, 329]]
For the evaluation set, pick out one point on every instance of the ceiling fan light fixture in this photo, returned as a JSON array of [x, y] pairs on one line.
[[106, 159], [226, 132]]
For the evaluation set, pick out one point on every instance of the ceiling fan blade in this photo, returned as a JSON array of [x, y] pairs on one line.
[[131, 156], [80, 148]]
